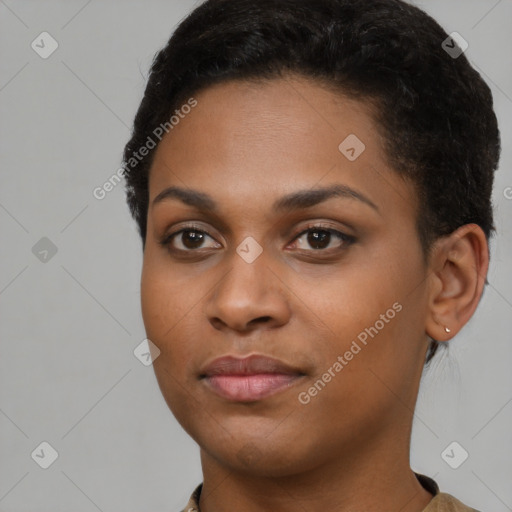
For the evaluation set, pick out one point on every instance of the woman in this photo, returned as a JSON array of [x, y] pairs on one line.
[[313, 198]]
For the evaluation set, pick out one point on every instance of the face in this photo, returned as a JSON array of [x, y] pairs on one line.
[[295, 260]]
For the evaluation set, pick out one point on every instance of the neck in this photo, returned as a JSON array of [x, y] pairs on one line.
[[371, 478]]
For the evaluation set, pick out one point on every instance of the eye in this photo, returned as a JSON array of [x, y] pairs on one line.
[[318, 237], [187, 239], [322, 238]]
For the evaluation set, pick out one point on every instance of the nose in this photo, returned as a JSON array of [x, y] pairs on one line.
[[249, 296]]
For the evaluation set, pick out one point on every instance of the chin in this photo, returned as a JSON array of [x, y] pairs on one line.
[[261, 457]]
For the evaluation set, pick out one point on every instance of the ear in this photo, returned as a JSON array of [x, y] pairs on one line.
[[458, 268]]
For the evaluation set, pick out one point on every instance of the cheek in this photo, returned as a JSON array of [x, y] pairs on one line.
[[155, 298], [165, 309], [347, 300], [370, 310], [165, 306]]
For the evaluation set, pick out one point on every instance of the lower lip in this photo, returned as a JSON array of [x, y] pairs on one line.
[[250, 388]]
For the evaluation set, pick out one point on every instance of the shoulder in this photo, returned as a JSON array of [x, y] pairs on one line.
[[443, 502], [193, 504]]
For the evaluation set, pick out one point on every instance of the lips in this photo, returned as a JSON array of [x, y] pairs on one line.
[[249, 379]]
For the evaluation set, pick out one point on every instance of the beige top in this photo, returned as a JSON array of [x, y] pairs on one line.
[[441, 502]]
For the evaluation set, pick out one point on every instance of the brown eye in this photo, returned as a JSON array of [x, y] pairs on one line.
[[192, 239], [319, 239], [188, 240], [322, 239]]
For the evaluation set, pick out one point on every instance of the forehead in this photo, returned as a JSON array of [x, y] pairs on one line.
[[254, 141]]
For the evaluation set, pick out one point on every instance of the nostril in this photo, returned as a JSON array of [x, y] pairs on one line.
[[262, 319]]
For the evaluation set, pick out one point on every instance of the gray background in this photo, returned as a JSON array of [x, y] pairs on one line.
[[70, 324]]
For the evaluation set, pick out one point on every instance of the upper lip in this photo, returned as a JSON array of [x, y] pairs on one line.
[[251, 365]]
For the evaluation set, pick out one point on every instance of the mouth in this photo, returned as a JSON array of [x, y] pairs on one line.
[[249, 379]]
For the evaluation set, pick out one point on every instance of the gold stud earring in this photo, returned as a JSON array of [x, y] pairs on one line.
[[447, 330]]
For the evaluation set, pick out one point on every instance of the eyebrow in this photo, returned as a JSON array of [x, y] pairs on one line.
[[300, 199]]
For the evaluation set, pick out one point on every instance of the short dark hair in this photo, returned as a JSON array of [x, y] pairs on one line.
[[435, 111]]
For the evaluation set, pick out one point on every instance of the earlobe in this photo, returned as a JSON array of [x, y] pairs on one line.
[[458, 268]]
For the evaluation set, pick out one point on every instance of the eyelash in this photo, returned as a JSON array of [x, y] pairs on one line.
[[346, 239]]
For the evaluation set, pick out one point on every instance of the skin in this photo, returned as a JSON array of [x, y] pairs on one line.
[[246, 145]]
